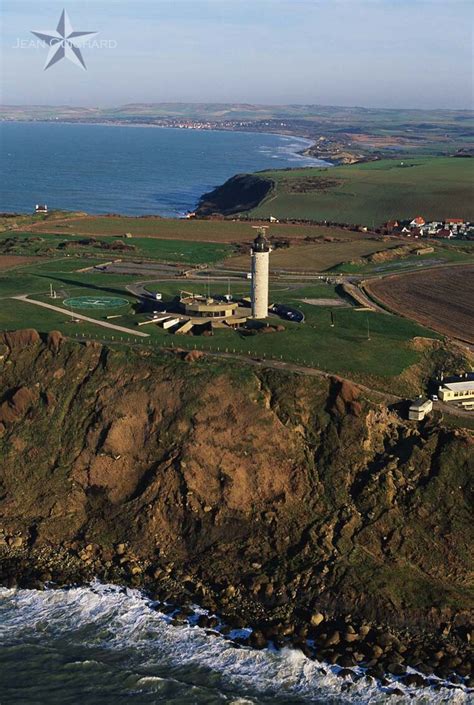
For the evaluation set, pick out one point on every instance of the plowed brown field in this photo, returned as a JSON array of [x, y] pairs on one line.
[[441, 298], [10, 261]]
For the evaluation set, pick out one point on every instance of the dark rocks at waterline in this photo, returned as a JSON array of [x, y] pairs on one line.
[[346, 673], [414, 680], [395, 691], [257, 640], [340, 640], [347, 660], [396, 669]]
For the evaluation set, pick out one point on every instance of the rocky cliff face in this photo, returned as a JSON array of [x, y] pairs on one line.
[[268, 493], [239, 193]]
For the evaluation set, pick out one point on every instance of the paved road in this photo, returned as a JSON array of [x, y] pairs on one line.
[[104, 324], [452, 409], [145, 268], [361, 297]]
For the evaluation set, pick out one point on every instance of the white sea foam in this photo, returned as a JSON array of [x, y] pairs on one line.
[[112, 618], [289, 149], [86, 662]]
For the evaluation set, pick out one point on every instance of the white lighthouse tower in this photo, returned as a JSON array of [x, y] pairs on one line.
[[260, 255]]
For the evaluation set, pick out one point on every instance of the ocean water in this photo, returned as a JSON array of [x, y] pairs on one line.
[[102, 644], [129, 170]]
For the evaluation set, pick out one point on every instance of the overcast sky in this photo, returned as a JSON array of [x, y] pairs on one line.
[[381, 53]]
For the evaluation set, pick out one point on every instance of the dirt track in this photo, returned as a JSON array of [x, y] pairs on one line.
[[441, 298]]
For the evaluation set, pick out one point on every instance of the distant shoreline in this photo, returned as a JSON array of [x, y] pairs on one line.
[[117, 123], [336, 134]]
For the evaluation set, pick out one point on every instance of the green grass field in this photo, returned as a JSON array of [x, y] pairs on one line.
[[174, 251], [342, 349], [278, 291], [374, 192], [21, 220], [215, 231], [19, 315], [36, 278]]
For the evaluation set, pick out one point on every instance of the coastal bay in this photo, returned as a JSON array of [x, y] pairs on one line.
[[114, 169]]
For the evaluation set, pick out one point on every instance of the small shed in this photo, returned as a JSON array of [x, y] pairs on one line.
[[419, 409], [424, 250]]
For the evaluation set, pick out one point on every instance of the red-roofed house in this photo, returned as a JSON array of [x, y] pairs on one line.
[[454, 221], [444, 232], [417, 222]]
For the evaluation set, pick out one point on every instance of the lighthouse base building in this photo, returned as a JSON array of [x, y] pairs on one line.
[[260, 255]]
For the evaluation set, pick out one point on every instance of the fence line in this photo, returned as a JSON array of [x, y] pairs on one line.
[[186, 345]]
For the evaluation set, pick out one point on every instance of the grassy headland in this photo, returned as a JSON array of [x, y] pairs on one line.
[[368, 193], [391, 360]]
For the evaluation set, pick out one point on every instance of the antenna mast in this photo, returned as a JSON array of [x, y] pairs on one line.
[[261, 229]]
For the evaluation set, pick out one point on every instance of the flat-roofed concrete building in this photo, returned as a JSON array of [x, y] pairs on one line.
[[454, 391], [419, 409], [207, 307], [169, 323]]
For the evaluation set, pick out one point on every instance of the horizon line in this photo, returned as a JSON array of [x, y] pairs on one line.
[[237, 103]]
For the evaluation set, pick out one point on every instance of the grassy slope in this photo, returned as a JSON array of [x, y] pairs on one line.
[[454, 252], [317, 257], [374, 192]]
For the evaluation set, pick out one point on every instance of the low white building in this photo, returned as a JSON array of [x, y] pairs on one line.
[[456, 391]]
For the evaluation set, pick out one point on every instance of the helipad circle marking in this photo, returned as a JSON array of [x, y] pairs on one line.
[[97, 303]]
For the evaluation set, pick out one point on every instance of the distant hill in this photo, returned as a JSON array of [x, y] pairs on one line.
[[226, 111]]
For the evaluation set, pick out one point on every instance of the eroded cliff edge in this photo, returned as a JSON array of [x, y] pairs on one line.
[[239, 193], [269, 496]]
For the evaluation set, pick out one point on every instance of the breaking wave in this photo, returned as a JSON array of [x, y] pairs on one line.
[[103, 643]]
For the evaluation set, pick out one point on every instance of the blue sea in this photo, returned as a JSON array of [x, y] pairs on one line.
[[129, 170]]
